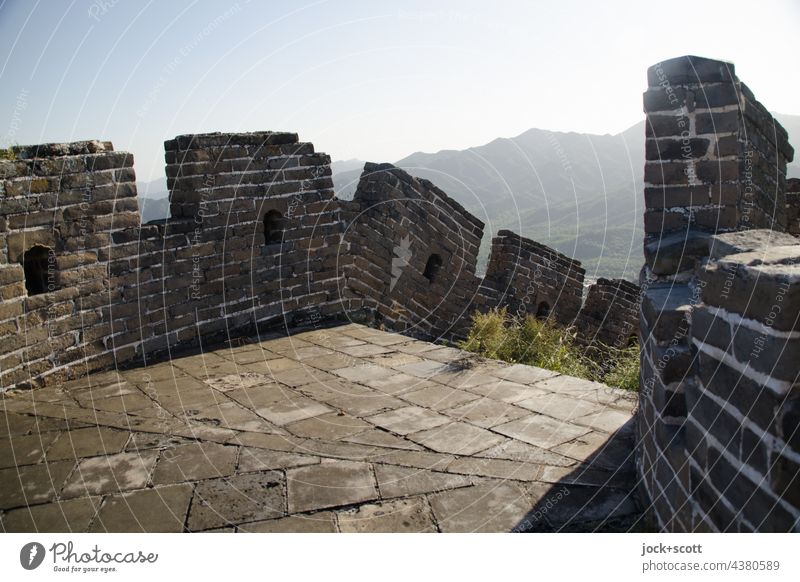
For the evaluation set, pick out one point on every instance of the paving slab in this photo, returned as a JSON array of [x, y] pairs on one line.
[[558, 406], [32, 484], [319, 522], [239, 499], [72, 515], [438, 397], [494, 506], [292, 410], [458, 438], [330, 484], [333, 426], [409, 419], [25, 449], [397, 481], [253, 460], [346, 428], [110, 474], [486, 412], [87, 442], [159, 510], [398, 516], [193, 462], [542, 431]]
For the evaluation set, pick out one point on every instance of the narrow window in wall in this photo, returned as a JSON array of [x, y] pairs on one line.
[[40, 270], [543, 310], [432, 267], [274, 223]]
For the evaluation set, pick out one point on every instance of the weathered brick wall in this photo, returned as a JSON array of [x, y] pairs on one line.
[[533, 279], [793, 206], [414, 251], [715, 164], [68, 200], [610, 314], [256, 238], [212, 270]]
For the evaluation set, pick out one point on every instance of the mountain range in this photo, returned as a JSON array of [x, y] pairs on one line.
[[579, 193]]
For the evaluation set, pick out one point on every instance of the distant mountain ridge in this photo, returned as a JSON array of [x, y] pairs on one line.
[[579, 193]]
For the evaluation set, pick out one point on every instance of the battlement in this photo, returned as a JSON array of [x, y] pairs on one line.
[[256, 239], [717, 422]]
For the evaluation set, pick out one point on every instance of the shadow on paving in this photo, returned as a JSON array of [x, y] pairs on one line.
[[597, 496]]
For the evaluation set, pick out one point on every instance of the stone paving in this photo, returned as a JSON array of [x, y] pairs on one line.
[[344, 429]]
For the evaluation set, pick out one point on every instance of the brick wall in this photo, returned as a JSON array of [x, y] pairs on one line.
[[414, 250], [256, 239], [65, 201], [533, 279], [717, 446], [610, 314]]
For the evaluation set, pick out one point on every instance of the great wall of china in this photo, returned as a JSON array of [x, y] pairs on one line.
[[257, 239]]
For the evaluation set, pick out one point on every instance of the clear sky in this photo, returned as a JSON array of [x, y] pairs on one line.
[[370, 80]]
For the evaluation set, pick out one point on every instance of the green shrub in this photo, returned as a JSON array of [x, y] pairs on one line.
[[625, 371], [539, 343]]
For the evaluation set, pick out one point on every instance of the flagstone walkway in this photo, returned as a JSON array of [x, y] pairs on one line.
[[346, 429]]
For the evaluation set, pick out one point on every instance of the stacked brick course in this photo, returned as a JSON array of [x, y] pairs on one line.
[[533, 279], [610, 314], [256, 238], [717, 426]]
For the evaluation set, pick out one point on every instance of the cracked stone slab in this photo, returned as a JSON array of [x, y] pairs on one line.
[[364, 373], [424, 369], [72, 515], [394, 383], [558, 406], [233, 416], [330, 484], [232, 500], [514, 450], [332, 426], [364, 350], [292, 410], [541, 431], [32, 483], [486, 412], [398, 516], [254, 460], [494, 506], [397, 481], [88, 442], [606, 420], [409, 419], [159, 510], [458, 438], [25, 450], [362, 405], [380, 438], [193, 462], [438, 397], [110, 474], [234, 381], [523, 374], [318, 522], [497, 468], [504, 391]]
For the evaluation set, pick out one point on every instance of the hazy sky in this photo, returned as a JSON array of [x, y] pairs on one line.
[[371, 80]]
